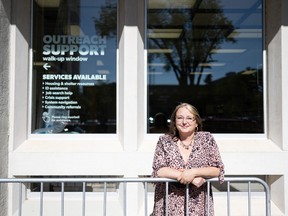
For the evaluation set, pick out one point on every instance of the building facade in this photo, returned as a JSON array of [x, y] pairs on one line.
[[81, 82]]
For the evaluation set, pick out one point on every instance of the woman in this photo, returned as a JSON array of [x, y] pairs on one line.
[[189, 156]]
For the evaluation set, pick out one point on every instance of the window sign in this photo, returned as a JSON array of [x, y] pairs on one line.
[[210, 54], [74, 66]]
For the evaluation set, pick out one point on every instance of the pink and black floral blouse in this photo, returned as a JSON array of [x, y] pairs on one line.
[[204, 153]]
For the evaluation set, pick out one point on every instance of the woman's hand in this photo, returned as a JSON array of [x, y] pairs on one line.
[[198, 181], [187, 176]]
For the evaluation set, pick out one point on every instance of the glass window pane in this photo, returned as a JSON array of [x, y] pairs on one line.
[[74, 66], [207, 53]]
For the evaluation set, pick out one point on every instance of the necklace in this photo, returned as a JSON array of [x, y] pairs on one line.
[[186, 146]]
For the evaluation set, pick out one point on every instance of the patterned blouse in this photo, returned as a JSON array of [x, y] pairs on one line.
[[204, 153]]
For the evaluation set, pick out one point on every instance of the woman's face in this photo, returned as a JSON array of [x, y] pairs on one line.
[[185, 121]]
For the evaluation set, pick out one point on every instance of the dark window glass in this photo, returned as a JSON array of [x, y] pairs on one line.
[[74, 186], [207, 53], [74, 66]]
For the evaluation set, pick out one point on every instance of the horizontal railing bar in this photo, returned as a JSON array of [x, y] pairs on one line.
[[117, 180]]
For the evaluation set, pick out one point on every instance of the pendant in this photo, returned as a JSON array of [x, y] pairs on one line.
[[186, 147]]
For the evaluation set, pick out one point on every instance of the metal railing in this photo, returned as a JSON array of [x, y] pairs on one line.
[[125, 181]]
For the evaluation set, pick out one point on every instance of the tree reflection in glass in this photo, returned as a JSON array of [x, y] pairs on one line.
[[207, 53]]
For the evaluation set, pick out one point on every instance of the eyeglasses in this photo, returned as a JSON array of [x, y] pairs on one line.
[[188, 118]]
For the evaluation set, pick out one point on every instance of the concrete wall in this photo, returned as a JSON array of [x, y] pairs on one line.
[[277, 91], [4, 95]]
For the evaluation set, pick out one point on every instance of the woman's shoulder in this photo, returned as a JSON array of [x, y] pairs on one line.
[[206, 138], [204, 134], [165, 140], [165, 137]]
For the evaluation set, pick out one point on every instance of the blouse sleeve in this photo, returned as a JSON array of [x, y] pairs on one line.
[[215, 158], [159, 157]]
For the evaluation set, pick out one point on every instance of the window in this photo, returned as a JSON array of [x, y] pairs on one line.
[[76, 186], [74, 66], [207, 53]]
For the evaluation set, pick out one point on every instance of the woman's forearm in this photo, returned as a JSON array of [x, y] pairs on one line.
[[207, 172], [167, 172], [188, 174]]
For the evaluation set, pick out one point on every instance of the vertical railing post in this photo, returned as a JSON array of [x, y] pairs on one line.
[[267, 197], [166, 198], [208, 198], [125, 198], [187, 200], [41, 198], [249, 198], [228, 198], [83, 198], [268, 204], [20, 199], [62, 198], [105, 199], [146, 198]]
